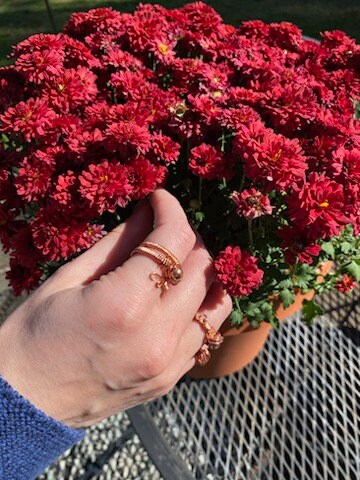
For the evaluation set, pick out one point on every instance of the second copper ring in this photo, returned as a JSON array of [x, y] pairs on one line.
[[212, 336], [203, 355]]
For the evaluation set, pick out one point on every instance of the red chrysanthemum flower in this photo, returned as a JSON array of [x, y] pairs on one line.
[[238, 272], [143, 177], [318, 207], [85, 141], [272, 160], [201, 17], [292, 107], [285, 35], [22, 278], [106, 186], [251, 203], [64, 188], [31, 119], [98, 19], [128, 138], [207, 162], [71, 89], [235, 118], [91, 234], [33, 179], [23, 248], [78, 55], [346, 284], [39, 42], [162, 49], [240, 95], [297, 247], [344, 166], [256, 29], [146, 25], [128, 85], [164, 148], [341, 50], [120, 59], [96, 115], [38, 66], [58, 235], [203, 109]]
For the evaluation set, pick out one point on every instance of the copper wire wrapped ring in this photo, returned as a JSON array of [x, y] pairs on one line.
[[212, 336], [170, 266]]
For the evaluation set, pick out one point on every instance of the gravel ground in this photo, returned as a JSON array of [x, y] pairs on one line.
[[129, 462], [4, 261]]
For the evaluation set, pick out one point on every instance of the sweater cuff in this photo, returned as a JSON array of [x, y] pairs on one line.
[[29, 439]]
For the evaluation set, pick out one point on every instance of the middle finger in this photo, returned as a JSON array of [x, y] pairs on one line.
[[190, 293]]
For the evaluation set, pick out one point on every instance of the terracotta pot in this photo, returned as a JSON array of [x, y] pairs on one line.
[[242, 345]]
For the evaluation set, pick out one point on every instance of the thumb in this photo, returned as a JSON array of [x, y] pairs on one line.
[[112, 250]]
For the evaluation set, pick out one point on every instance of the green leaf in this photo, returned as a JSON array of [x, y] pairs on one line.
[[304, 276], [287, 297], [268, 314], [266, 307], [274, 322], [268, 259], [346, 247], [356, 105], [236, 318], [287, 283], [354, 270], [310, 311], [303, 282], [251, 310], [329, 249], [199, 217], [254, 323], [4, 138]]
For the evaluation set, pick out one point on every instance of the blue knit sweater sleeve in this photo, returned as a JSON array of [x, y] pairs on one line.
[[29, 439]]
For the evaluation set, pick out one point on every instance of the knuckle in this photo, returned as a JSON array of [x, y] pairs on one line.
[[152, 364], [102, 321], [122, 316], [115, 311]]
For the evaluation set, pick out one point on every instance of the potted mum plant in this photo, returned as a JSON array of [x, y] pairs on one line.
[[255, 130]]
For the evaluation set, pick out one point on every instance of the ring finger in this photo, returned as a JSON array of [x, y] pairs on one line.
[[217, 306]]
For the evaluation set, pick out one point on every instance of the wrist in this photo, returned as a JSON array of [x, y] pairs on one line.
[[8, 337], [11, 351]]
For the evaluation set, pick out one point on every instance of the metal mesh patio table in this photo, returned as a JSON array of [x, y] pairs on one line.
[[293, 413]]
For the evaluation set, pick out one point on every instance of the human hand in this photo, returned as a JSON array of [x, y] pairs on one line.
[[97, 337]]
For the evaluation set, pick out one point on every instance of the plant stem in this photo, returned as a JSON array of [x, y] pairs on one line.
[[223, 142], [262, 228], [200, 192], [236, 300], [242, 180], [251, 239], [51, 16]]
